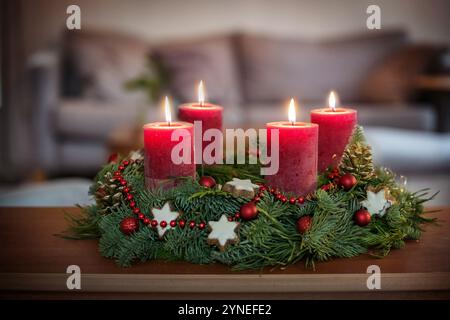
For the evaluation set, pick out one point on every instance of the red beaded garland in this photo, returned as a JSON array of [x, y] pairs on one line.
[[173, 223], [154, 223], [201, 225], [181, 223], [163, 224], [192, 224], [146, 221]]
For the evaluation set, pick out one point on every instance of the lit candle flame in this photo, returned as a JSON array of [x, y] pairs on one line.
[[291, 112], [167, 110], [201, 93], [332, 100]]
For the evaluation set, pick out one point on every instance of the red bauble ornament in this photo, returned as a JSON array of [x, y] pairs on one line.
[[129, 225], [362, 217], [113, 158], [347, 181], [248, 211], [182, 223], [207, 182], [304, 224]]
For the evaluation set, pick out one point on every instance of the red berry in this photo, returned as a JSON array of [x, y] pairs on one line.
[[126, 190], [237, 215], [141, 216], [125, 163], [129, 196], [146, 221], [121, 168], [301, 200], [272, 190], [173, 223], [304, 224], [192, 224], [123, 182], [283, 199], [292, 200], [279, 196], [230, 219], [362, 217], [116, 173], [154, 223], [181, 223], [132, 204], [201, 225], [163, 224], [136, 211]]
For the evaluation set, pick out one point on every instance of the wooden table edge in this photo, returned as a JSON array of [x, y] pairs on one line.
[[220, 283]]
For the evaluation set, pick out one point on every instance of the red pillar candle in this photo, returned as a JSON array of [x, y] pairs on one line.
[[298, 141], [209, 114], [335, 128], [160, 169]]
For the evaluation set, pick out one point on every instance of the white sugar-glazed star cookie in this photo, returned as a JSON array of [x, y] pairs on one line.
[[223, 232], [164, 214], [377, 202], [241, 188]]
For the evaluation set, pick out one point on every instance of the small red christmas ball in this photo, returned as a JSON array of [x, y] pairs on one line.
[[116, 173], [362, 217], [181, 223], [173, 223], [163, 224], [248, 211], [301, 200], [201, 225], [125, 163], [304, 224], [136, 211], [129, 225], [129, 196], [207, 182], [292, 200], [237, 215], [347, 181], [123, 182], [192, 224], [121, 168], [154, 223], [230, 219], [126, 190], [141, 216], [112, 158], [283, 199], [132, 204]]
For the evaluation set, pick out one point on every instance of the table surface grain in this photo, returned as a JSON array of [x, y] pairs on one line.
[[30, 250]]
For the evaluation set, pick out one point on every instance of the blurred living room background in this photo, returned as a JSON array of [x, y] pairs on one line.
[[71, 98]]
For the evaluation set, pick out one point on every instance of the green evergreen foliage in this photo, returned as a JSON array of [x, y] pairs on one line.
[[271, 239]]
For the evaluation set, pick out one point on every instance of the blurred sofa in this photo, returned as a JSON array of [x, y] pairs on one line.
[[79, 98]]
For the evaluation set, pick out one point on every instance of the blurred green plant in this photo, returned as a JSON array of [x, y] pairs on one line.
[[153, 81]]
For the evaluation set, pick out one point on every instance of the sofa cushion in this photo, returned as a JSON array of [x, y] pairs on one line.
[[410, 150], [275, 69], [416, 117], [393, 80], [97, 65], [87, 119], [211, 60]]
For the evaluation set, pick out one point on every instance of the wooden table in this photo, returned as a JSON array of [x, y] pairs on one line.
[[33, 264], [438, 89]]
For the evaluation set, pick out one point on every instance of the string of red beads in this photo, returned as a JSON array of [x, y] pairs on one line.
[[128, 195]]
